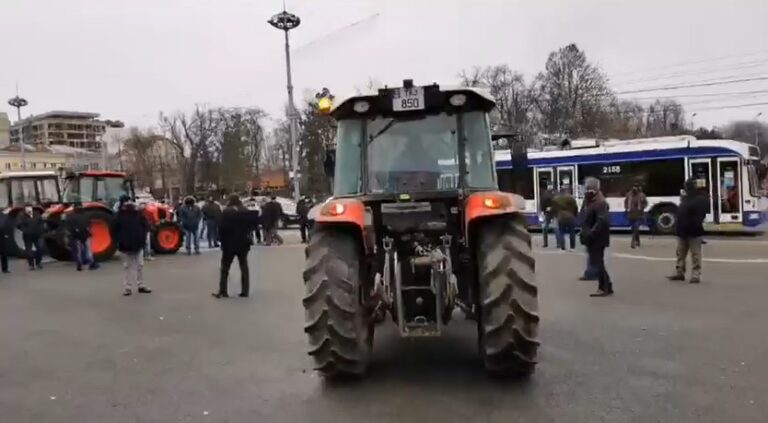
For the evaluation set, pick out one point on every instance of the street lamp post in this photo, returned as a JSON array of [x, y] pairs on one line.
[[757, 127], [18, 103], [285, 22]]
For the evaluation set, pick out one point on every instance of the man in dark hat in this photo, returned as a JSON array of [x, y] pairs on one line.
[[690, 230]]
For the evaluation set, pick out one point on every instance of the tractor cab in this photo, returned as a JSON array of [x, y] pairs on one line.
[[417, 228], [414, 140], [38, 189], [19, 189], [105, 187]]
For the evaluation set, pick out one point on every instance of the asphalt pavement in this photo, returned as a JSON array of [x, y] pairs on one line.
[[72, 349]]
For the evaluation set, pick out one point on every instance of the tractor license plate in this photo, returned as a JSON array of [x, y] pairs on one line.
[[405, 99]]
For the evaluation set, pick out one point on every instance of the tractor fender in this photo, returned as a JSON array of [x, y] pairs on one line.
[[348, 213], [491, 203]]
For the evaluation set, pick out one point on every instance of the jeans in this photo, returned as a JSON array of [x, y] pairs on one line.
[[563, 229], [133, 264], [212, 229], [597, 259], [36, 258], [590, 272], [190, 237], [635, 223], [81, 253], [545, 230], [227, 257]]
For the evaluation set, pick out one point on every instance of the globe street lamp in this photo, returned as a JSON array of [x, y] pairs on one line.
[[18, 103], [285, 22]]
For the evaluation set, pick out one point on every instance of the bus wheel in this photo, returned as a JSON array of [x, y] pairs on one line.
[[665, 220]]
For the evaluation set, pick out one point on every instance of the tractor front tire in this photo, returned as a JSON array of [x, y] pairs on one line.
[[57, 246], [339, 337], [167, 238], [508, 317]]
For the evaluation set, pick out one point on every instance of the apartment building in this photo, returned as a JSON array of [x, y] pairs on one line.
[[61, 128]]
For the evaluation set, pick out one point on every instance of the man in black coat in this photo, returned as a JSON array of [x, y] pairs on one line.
[[6, 234], [302, 209], [271, 212], [235, 236], [690, 230], [130, 232], [32, 229], [596, 234]]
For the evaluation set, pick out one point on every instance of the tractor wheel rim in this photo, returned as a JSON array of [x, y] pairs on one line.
[[101, 239], [168, 238]]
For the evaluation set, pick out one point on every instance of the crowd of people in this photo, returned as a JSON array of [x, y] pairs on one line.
[[560, 209], [233, 229]]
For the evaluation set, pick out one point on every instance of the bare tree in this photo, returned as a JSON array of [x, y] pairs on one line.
[[192, 136], [573, 94]]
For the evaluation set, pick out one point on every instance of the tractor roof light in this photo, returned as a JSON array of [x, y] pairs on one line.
[[361, 106], [458, 100]]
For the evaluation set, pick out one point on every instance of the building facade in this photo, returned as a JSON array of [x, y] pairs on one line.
[[71, 129], [5, 130], [48, 158]]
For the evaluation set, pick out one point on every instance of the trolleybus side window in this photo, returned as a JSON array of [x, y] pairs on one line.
[[520, 183], [659, 178]]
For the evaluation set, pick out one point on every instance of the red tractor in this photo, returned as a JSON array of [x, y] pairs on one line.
[[99, 193], [416, 228], [38, 189]]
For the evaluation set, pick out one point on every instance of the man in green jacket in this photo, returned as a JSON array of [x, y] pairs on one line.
[[565, 210]]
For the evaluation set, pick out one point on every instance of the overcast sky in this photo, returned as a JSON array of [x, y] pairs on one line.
[[130, 60]]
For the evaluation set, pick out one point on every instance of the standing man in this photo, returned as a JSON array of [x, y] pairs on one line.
[[596, 235], [302, 209], [690, 230], [32, 229], [79, 232], [212, 215], [271, 212], [190, 217], [565, 210], [254, 213], [546, 209], [236, 227], [6, 232], [130, 233], [634, 205]]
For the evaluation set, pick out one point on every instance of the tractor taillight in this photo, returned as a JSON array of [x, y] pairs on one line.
[[333, 209], [496, 202]]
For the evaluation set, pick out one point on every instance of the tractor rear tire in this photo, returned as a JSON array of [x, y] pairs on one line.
[[103, 245], [339, 337], [508, 317], [167, 238]]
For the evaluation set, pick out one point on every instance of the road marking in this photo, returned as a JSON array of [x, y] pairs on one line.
[[706, 259], [651, 258]]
